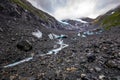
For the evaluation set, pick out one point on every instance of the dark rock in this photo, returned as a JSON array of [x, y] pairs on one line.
[[14, 14], [107, 42], [24, 45], [95, 46], [64, 36], [91, 58], [114, 79], [1, 30], [84, 77], [96, 51], [13, 39], [1, 7], [75, 51], [111, 64]]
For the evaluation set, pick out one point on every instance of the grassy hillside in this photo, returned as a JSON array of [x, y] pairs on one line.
[[111, 20]]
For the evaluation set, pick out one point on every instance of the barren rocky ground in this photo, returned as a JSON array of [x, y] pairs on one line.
[[24, 56]]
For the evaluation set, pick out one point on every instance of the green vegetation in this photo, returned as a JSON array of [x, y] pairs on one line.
[[111, 20], [24, 4]]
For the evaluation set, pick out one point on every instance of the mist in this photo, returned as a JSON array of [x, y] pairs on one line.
[[72, 9]]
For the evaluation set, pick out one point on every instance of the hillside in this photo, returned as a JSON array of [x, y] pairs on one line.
[[23, 9], [110, 19]]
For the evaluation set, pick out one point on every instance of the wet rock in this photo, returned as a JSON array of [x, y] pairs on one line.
[[91, 58], [24, 45]]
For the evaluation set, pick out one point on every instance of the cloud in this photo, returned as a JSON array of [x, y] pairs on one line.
[[70, 9]]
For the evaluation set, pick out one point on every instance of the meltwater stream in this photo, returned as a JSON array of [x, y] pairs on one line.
[[59, 42], [38, 34]]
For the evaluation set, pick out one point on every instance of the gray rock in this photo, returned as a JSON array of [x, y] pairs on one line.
[[111, 64], [97, 69]]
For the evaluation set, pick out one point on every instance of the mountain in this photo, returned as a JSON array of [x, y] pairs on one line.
[[80, 25], [24, 10], [35, 46], [109, 19], [22, 24]]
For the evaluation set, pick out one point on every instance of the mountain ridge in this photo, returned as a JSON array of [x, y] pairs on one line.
[[109, 19]]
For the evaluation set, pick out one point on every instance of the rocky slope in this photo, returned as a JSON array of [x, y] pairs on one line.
[[23, 10], [34, 46]]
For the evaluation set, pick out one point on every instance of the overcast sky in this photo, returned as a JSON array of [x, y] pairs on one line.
[[71, 9]]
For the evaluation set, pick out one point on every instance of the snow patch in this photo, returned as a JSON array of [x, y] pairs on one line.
[[37, 34], [88, 33], [51, 36], [112, 12], [64, 22], [80, 20], [84, 36], [79, 34]]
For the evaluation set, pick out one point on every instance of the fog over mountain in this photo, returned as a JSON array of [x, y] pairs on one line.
[[71, 9]]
